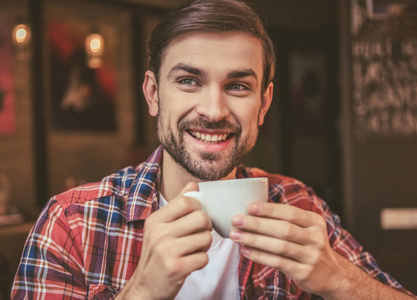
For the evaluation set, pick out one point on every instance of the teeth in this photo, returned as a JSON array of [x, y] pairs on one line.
[[209, 138]]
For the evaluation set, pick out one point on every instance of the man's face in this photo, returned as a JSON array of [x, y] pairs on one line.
[[209, 101]]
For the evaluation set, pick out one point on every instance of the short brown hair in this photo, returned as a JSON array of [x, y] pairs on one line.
[[211, 16]]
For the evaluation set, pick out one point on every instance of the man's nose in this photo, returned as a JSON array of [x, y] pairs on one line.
[[213, 105]]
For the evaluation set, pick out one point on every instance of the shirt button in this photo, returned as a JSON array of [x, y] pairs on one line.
[[293, 288]]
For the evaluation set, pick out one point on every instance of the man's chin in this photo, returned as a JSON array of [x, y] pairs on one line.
[[210, 174], [209, 166], [211, 157]]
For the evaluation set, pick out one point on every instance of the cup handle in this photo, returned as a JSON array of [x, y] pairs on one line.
[[196, 195]]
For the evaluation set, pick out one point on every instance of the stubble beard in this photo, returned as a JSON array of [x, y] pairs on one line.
[[207, 165]]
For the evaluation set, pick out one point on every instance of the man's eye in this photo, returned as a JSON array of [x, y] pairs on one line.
[[238, 87], [188, 81]]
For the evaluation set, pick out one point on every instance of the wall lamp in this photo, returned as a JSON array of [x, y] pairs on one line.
[[94, 47]]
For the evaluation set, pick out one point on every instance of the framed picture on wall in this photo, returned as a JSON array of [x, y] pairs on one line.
[[7, 109], [82, 76], [89, 103], [307, 89], [380, 9]]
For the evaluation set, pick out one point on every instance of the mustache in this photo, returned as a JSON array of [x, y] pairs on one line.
[[206, 124]]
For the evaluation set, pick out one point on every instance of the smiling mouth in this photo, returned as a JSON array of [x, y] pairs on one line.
[[210, 138]]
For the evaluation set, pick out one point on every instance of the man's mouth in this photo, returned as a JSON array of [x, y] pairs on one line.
[[210, 138]]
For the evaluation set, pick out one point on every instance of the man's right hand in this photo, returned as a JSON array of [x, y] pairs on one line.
[[176, 239]]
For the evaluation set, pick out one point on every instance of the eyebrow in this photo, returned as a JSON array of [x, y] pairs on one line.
[[187, 68], [242, 73]]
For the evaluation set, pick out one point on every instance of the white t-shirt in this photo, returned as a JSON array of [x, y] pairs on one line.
[[219, 278]]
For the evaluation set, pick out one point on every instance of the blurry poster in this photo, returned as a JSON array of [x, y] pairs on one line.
[[384, 66], [387, 8], [7, 110], [307, 90], [82, 92]]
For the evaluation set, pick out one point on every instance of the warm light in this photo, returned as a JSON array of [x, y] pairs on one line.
[[94, 44], [21, 34], [94, 47]]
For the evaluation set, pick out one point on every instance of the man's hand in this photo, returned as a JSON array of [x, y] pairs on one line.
[[175, 243], [290, 239], [295, 242]]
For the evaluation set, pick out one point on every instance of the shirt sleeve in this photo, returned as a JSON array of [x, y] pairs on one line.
[[344, 244], [51, 266]]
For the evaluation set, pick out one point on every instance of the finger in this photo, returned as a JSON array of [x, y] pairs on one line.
[[195, 221], [177, 248], [284, 212], [178, 268], [194, 262], [179, 206], [272, 245], [273, 228], [288, 266], [196, 242]]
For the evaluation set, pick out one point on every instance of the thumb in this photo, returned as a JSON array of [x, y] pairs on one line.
[[190, 190], [191, 186], [172, 212]]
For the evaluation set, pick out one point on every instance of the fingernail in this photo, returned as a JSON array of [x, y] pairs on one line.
[[254, 208], [244, 251], [237, 220], [235, 235]]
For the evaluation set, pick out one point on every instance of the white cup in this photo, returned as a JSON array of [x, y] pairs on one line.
[[223, 199]]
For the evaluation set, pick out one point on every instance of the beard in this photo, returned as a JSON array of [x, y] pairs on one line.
[[206, 165]]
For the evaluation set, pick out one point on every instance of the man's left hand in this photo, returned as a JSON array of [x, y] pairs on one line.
[[292, 240]]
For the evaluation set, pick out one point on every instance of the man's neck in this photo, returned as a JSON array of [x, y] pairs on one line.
[[175, 177]]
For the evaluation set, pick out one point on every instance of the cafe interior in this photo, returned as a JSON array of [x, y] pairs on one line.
[[343, 119]]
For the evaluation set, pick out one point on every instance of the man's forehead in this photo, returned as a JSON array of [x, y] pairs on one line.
[[198, 49]]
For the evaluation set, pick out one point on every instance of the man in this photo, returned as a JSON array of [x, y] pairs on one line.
[[135, 235]]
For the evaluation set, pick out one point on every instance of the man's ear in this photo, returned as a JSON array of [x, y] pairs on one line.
[[265, 103], [150, 90]]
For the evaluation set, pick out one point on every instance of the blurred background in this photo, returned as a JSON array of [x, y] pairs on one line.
[[343, 119]]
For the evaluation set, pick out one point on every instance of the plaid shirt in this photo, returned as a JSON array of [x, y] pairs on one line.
[[87, 241]]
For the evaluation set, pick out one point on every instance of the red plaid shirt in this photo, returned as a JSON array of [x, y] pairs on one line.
[[87, 241]]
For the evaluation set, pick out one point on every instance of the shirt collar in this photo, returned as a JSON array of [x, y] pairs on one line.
[[142, 198]]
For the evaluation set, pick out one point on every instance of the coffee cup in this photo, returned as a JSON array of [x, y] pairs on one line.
[[223, 199]]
